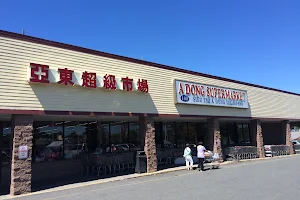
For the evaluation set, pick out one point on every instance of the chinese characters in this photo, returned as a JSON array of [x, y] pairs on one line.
[[42, 74]]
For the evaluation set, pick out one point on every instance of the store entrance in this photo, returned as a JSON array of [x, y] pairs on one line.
[[5, 159]]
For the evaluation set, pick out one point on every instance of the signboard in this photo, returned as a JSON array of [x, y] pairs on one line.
[[201, 94], [37, 73], [23, 152]]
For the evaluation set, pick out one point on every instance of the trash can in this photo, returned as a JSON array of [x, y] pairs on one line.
[[141, 162]]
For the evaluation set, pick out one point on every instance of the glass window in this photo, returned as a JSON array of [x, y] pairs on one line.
[[119, 137], [6, 142], [193, 129], [231, 127], [181, 134], [158, 134], [75, 139], [48, 141], [203, 134], [134, 139], [103, 137], [240, 133], [224, 134], [246, 134], [92, 143], [169, 135]]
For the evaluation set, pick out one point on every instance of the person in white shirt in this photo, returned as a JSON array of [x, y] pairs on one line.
[[200, 154], [187, 154]]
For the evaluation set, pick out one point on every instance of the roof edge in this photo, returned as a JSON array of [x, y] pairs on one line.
[[36, 40]]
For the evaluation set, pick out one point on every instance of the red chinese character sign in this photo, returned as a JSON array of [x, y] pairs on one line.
[[89, 79], [65, 76], [143, 85], [38, 73], [127, 84], [109, 82]]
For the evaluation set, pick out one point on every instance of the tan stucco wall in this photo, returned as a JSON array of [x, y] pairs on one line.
[[16, 93]]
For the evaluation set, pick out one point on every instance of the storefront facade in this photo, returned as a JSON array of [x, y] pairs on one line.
[[60, 102]]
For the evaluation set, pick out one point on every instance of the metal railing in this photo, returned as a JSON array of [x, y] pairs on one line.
[[276, 150], [241, 152]]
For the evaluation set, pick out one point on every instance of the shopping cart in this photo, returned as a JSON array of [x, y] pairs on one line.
[[211, 160]]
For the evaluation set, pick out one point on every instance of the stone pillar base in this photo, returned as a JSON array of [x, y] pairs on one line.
[[150, 146], [256, 132], [21, 169], [286, 130], [215, 137]]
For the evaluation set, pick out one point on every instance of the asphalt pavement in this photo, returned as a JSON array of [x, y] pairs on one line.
[[271, 179]]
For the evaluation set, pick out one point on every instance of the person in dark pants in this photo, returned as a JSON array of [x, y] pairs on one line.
[[200, 154]]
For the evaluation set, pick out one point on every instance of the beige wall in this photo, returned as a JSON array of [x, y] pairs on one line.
[[16, 93]]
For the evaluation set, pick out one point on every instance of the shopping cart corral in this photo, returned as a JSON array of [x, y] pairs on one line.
[[276, 150], [241, 153], [211, 160]]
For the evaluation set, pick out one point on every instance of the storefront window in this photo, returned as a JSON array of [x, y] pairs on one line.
[[75, 139], [181, 134], [104, 141], [246, 134], [119, 137], [193, 129], [134, 139], [169, 135], [240, 133], [224, 134], [48, 141], [158, 134]]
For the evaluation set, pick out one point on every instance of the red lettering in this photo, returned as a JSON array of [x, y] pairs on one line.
[[39, 73], [202, 91], [181, 91], [215, 92], [143, 85], [187, 89], [89, 79], [127, 83], [227, 94], [65, 76], [208, 91], [198, 90], [222, 94], [109, 82]]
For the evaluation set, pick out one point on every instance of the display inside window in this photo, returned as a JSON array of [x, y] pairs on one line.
[[48, 141], [134, 139]]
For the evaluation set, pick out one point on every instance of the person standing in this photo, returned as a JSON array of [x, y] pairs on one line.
[[200, 154], [187, 154]]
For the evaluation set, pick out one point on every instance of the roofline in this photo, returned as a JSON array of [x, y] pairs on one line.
[[36, 40]]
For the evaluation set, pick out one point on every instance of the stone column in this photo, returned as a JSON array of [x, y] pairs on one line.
[[21, 169], [147, 126], [256, 133], [286, 130], [215, 137]]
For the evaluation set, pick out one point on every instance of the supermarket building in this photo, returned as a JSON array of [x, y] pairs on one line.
[[61, 104]]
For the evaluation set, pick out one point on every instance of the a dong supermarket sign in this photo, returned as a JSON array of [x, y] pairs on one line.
[[201, 94]]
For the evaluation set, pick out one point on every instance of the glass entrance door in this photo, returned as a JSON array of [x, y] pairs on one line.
[[5, 160]]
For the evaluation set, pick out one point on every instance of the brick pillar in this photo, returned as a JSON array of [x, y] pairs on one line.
[[214, 135], [147, 126], [286, 130], [256, 133], [21, 169]]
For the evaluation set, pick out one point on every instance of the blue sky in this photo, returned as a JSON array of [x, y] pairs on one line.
[[256, 41]]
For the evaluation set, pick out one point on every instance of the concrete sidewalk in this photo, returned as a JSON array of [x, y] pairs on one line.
[[130, 176]]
